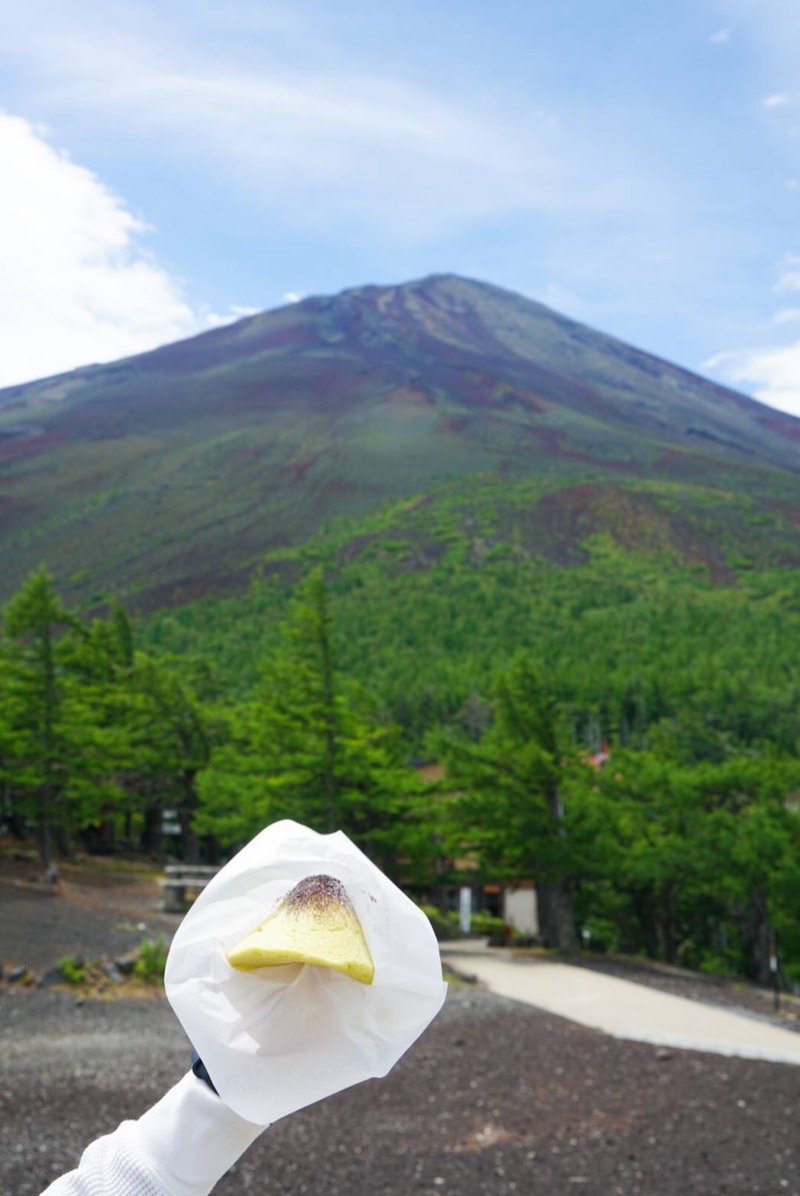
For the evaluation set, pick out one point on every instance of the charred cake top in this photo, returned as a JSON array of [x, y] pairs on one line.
[[315, 923], [316, 894]]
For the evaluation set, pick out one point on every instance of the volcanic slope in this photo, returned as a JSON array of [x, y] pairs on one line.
[[166, 476]]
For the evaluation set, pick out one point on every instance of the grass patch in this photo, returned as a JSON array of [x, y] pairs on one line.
[[151, 961], [72, 968]]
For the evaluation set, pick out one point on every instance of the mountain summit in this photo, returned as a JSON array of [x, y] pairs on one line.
[[168, 474]]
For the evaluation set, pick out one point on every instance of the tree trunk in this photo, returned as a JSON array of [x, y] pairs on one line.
[[556, 917], [45, 837], [63, 842], [151, 831], [669, 937], [190, 841], [757, 937], [645, 916], [210, 849]]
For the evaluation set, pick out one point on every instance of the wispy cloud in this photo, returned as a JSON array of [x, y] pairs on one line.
[[324, 131], [789, 275], [320, 143], [77, 282], [331, 144], [772, 374], [237, 311], [776, 99]]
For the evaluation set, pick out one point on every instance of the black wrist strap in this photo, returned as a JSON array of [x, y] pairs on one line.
[[199, 1069]]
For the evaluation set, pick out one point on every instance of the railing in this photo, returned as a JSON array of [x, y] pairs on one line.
[[182, 879]]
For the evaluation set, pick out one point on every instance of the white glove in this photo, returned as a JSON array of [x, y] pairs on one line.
[[180, 1147]]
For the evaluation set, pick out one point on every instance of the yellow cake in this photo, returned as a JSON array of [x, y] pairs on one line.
[[315, 923]]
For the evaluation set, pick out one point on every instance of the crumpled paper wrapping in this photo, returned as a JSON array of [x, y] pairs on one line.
[[277, 1039]]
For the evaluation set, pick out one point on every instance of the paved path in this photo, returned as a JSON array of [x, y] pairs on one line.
[[623, 1008]]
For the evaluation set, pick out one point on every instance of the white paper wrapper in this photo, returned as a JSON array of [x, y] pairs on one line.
[[277, 1039]]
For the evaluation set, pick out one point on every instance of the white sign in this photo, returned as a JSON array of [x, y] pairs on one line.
[[465, 909]]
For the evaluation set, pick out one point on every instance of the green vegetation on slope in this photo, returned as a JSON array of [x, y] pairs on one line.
[[506, 630], [663, 619], [631, 600]]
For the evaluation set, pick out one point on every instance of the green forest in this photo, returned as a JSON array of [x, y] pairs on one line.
[[420, 635]]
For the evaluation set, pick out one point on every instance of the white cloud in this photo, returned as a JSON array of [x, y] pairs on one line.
[[778, 99], [237, 311], [720, 37], [291, 297], [789, 278], [76, 283], [772, 374]]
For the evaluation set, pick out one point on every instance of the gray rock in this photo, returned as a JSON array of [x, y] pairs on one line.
[[113, 972], [50, 977]]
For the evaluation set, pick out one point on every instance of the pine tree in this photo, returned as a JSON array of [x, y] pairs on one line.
[[513, 783], [307, 747], [47, 737]]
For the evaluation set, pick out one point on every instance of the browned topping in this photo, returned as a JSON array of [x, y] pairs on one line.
[[317, 893]]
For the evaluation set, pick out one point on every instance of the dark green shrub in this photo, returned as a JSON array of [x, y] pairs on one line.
[[151, 960], [72, 968]]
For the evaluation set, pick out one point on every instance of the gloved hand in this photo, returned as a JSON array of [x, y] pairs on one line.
[[180, 1147]]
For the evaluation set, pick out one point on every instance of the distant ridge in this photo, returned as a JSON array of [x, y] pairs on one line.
[[167, 475]]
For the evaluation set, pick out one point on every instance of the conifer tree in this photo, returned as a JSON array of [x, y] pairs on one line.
[[513, 806], [307, 747], [65, 723], [49, 745]]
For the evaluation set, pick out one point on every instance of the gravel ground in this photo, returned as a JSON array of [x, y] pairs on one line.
[[95, 914], [495, 1098]]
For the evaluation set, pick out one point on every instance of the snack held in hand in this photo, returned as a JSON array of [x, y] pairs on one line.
[[279, 1039], [315, 923]]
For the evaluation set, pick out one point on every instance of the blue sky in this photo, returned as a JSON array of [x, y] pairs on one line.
[[170, 166]]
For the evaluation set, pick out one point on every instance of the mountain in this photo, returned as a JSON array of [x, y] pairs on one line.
[[168, 475]]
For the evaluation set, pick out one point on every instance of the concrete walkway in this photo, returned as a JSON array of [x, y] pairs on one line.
[[621, 1007]]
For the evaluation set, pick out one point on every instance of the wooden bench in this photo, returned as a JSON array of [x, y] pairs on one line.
[[181, 878]]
